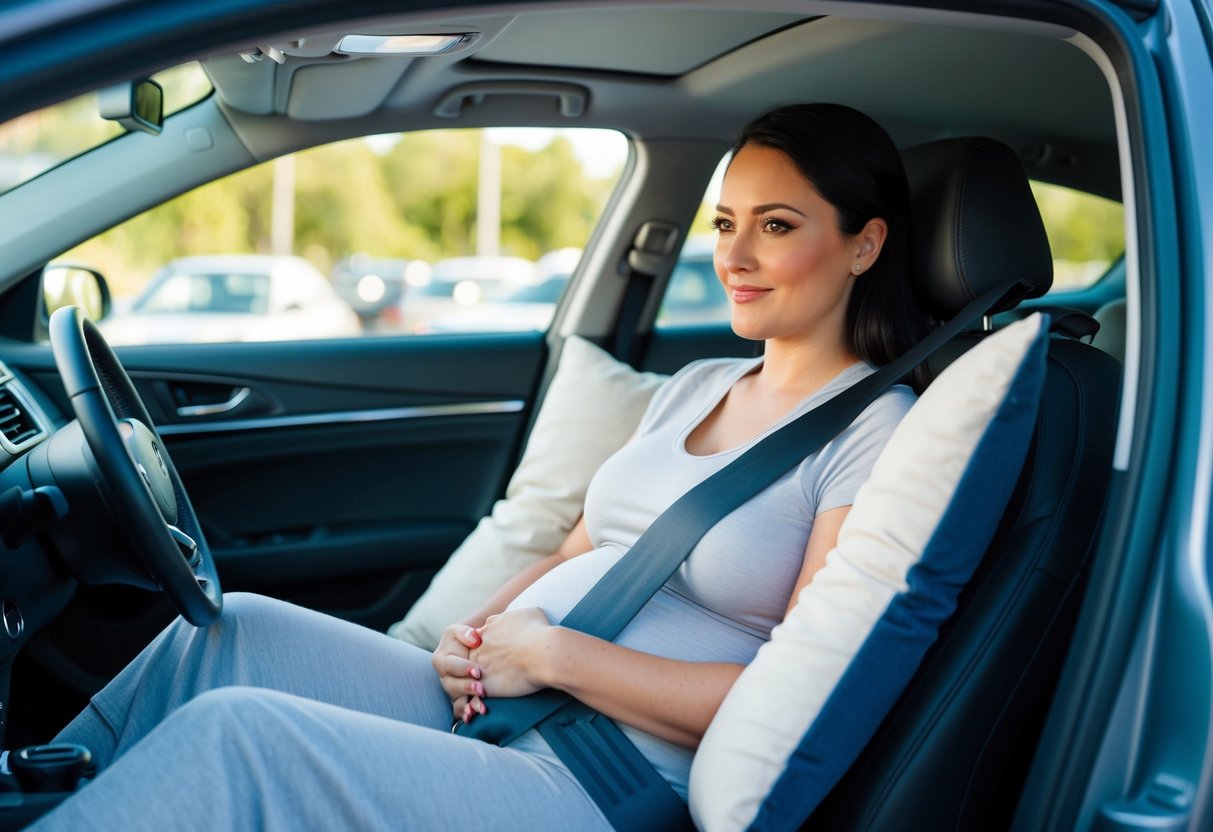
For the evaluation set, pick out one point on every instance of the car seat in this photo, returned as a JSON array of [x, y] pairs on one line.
[[954, 751], [1111, 335]]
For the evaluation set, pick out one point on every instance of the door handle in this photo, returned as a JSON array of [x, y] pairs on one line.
[[193, 411]]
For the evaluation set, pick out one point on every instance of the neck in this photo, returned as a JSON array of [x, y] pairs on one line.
[[801, 367]]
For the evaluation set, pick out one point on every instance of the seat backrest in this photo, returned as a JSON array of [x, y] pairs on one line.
[[954, 752], [1111, 335]]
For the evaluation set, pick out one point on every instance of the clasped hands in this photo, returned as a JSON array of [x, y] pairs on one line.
[[503, 658]]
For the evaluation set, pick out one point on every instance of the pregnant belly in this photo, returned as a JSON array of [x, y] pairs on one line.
[[559, 590], [669, 625]]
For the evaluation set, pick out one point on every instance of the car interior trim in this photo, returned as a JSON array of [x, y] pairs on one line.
[[386, 414], [1112, 611], [1128, 398], [194, 411]]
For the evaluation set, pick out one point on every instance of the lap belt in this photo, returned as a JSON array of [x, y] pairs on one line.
[[626, 787]]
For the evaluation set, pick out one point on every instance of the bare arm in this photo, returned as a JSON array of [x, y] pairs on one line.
[[672, 699], [822, 539]]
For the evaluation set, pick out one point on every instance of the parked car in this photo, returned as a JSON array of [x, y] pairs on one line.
[[375, 286], [241, 297], [525, 308], [459, 284], [350, 470], [695, 294]]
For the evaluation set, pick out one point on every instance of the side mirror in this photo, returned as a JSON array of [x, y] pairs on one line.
[[136, 105], [66, 284]]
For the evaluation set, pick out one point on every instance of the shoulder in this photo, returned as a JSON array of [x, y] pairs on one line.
[[847, 459], [872, 428], [888, 410]]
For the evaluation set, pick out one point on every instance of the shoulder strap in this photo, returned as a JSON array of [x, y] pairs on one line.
[[614, 601]]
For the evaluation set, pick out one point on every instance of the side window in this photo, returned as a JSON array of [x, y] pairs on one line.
[[694, 294], [1086, 234], [429, 232]]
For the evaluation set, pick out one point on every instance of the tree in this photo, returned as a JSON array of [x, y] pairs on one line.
[[414, 200]]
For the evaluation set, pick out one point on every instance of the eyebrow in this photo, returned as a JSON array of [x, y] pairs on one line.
[[762, 209]]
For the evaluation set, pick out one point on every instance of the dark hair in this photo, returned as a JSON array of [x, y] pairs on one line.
[[853, 164]]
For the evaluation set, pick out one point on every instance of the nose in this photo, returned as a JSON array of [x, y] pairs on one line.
[[735, 252]]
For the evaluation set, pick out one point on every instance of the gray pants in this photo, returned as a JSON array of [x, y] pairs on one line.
[[279, 718]]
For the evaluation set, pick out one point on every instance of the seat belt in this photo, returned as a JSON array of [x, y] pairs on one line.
[[628, 790], [651, 248], [635, 299]]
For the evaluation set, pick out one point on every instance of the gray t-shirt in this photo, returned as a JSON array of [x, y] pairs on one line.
[[723, 601]]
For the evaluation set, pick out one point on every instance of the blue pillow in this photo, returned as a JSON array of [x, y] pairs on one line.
[[802, 711]]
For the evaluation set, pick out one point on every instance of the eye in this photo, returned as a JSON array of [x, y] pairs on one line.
[[721, 224], [774, 226]]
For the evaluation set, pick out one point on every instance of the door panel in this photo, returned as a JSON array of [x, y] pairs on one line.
[[290, 508], [342, 483], [351, 469]]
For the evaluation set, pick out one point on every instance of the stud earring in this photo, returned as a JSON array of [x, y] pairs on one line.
[[858, 268]]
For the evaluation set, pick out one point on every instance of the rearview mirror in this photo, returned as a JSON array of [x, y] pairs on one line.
[[136, 105], [65, 284]]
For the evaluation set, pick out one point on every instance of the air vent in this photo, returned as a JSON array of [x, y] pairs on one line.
[[18, 426]]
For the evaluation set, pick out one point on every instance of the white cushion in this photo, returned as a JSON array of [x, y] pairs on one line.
[[804, 708], [592, 407]]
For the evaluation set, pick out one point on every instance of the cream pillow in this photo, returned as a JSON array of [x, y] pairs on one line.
[[592, 407], [808, 703]]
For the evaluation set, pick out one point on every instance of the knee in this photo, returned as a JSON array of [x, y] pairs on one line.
[[247, 605], [243, 612], [235, 709], [239, 608], [235, 736]]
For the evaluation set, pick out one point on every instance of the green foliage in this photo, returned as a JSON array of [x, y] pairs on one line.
[[432, 178], [546, 202], [414, 200], [1086, 233]]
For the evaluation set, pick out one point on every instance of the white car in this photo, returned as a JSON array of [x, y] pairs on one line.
[[247, 297]]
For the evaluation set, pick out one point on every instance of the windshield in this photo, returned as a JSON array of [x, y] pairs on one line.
[[34, 143]]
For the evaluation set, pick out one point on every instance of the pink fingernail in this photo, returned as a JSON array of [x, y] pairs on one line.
[[474, 672], [479, 689]]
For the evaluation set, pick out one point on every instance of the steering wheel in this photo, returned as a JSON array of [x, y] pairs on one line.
[[143, 493]]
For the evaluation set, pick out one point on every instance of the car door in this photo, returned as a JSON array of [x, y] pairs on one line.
[[1127, 744], [341, 479], [337, 472]]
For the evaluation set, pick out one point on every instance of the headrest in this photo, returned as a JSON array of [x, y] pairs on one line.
[[976, 224]]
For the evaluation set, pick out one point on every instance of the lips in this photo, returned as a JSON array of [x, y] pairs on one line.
[[746, 294]]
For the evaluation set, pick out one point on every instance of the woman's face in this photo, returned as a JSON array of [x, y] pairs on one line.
[[785, 265]]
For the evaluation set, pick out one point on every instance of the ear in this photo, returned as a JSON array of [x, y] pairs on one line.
[[869, 242]]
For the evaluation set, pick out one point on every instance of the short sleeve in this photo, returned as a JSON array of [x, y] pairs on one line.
[[832, 479]]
